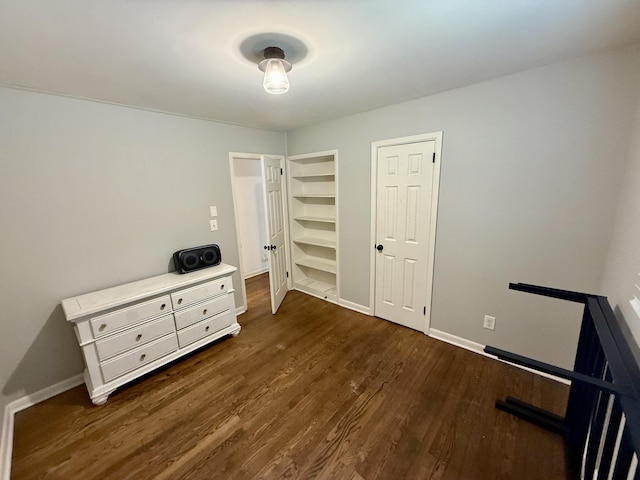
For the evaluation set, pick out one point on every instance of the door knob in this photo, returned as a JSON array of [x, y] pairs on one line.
[[266, 247], [273, 247], [379, 248]]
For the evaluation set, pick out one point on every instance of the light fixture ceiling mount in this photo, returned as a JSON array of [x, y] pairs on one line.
[[275, 69]]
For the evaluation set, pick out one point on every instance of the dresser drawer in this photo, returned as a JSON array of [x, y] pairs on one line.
[[186, 297], [203, 310], [134, 337], [205, 328], [137, 358], [104, 324]]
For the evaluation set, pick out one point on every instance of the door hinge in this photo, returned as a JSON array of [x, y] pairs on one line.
[[424, 311], [434, 157], [281, 169]]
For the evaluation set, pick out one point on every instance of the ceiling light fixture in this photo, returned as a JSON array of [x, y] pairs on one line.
[[275, 69]]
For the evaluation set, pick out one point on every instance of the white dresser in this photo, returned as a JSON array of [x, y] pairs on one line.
[[129, 330]]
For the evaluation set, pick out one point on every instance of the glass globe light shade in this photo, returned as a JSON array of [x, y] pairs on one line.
[[275, 77]]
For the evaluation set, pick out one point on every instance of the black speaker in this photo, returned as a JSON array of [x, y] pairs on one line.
[[196, 258]]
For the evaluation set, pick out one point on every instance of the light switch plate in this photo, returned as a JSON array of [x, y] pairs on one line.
[[214, 211], [213, 224]]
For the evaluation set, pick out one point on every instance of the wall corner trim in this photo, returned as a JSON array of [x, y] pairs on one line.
[[479, 348], [6, 441], [6, 444]]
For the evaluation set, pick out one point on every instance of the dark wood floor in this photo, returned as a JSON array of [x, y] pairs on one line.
[[316, 391]]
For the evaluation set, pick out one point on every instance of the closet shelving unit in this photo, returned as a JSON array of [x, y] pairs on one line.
[[314, 245]]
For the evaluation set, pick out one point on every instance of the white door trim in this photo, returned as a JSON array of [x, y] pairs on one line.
[[437, 138], [285, 216], [255, 156]]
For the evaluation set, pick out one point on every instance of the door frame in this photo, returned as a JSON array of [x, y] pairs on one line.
[[255, 156], [435, 187]]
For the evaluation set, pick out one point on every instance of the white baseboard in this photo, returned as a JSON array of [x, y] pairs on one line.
[[355, 306], [46, 393], [457, 341], [240, 310], [479, 348], [6, 441], [255, 273]]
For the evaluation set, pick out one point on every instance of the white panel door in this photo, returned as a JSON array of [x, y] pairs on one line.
[[274, 216], [403, 220]]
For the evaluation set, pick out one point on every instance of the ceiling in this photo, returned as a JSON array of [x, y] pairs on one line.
[[198, 57]]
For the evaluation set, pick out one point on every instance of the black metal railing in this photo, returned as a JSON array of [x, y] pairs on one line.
[[601, 425]]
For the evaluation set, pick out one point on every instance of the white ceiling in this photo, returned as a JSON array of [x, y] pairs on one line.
[[191, 56]]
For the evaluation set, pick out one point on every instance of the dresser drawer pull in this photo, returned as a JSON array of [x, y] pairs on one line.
[[207, 328], [143, 356], [222, 287], [138, 337], [163, 306], [102, 327], [179, 301], [204, 312]]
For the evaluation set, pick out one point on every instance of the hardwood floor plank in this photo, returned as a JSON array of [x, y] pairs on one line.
[[316, 391], [322, 401], [209, 441], [398, 428]]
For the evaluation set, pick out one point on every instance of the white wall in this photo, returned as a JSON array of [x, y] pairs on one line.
[[250, 211], [93, 195], [623, 265], [531, 166]]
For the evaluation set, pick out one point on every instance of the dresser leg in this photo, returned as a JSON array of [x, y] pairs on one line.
[[101, 400]]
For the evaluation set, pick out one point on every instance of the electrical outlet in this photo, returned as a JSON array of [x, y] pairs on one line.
[[213, 225], [489, 322]]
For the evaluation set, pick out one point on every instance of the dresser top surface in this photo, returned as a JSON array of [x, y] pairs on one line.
[[90, 303]]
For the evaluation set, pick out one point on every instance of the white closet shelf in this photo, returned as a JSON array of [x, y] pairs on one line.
[[310, 218], [314, 195], [313, 201], [314, 175], [317, 286], [313, 159], [316, 263], [319, 242]]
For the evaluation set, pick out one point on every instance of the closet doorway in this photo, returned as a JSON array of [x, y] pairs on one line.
[[256, 217]]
